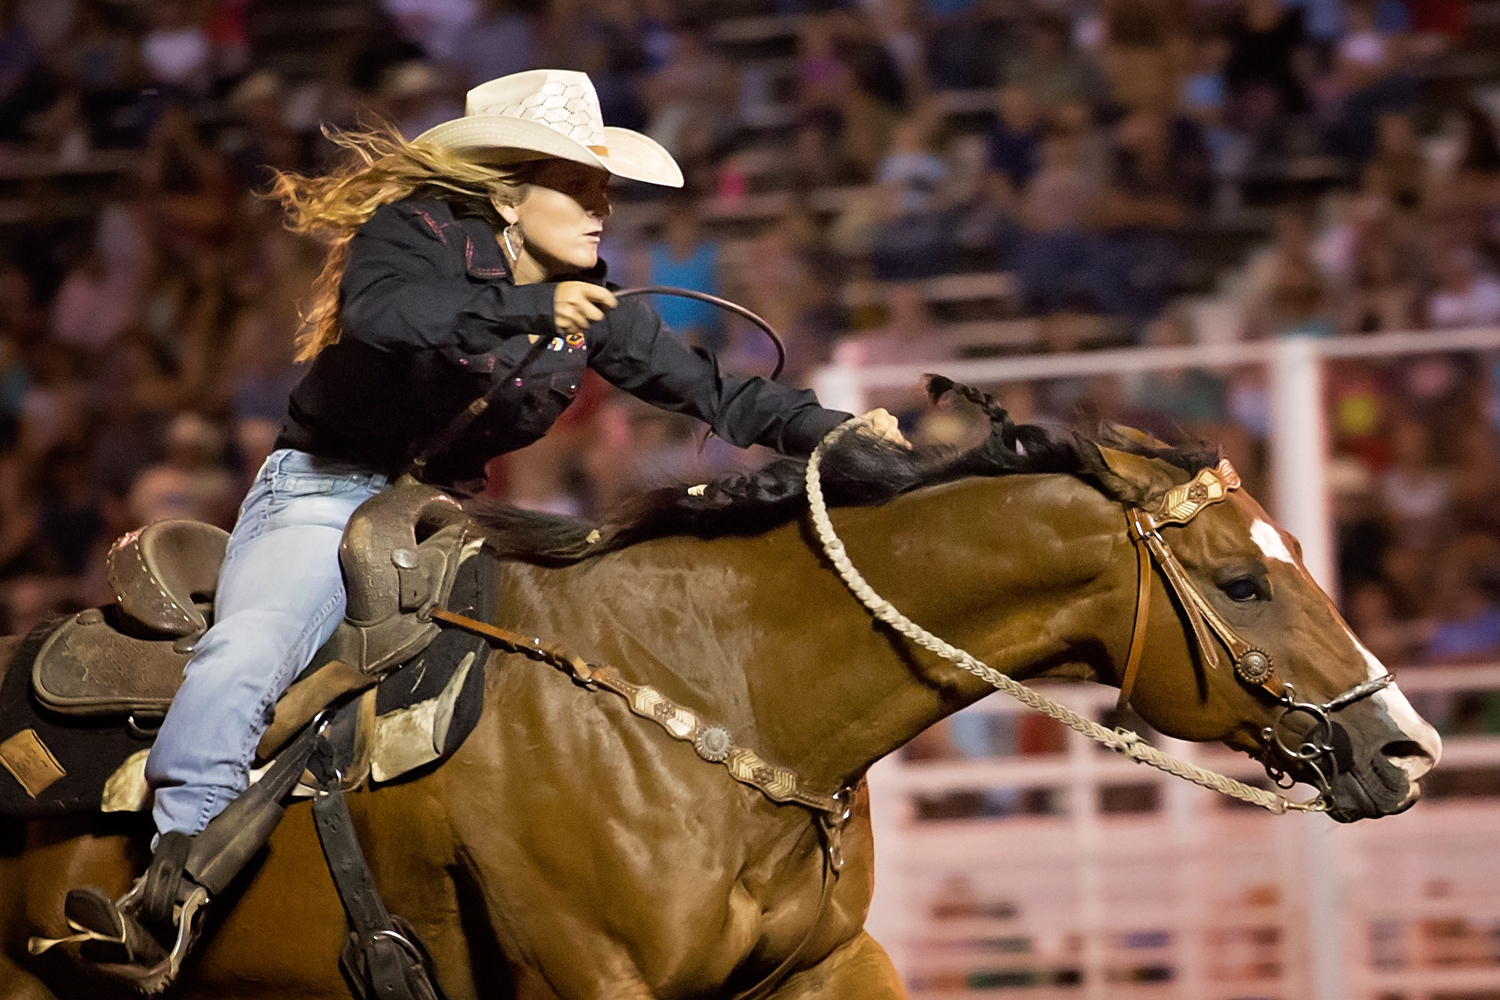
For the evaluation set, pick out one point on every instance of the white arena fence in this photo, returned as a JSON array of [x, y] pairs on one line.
[[1072, 873]]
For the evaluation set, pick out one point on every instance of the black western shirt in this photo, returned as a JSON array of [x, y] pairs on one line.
[[429, 312]]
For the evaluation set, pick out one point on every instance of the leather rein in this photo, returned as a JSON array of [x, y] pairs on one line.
[[1284, 751]]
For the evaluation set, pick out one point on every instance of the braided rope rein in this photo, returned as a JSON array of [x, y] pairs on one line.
[[1123, 741]]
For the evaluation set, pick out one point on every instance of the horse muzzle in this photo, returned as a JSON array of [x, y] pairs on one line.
[[1379, 767]]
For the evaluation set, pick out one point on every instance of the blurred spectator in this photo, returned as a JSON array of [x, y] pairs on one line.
[[691, 98], [685, 258], [1467, 293], [1466, 626], [1398, 170], [437, 26], [1161, 171], [1395, 642], [24, 87], [191, 483], [1475, 480], [967, 42], [1413, 491], [1143, 55], [880, 94], [1383, 285], [417, 97], [1058, 256], [1050, 70], [1015, 142], [1286, 291], [93, 306], [1474, 184], [68, 519], [176, 50], [1365, 84], [267, 142], [1186, 398], [825, 86], [503, 41], [1265, 40], [898, 25], [907, 336], [914, 242], [191, 198]]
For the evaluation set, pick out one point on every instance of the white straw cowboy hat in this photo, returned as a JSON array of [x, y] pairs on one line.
[[550, 112]]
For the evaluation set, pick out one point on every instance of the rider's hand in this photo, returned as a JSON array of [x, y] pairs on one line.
[[884, 427], [576, 304]]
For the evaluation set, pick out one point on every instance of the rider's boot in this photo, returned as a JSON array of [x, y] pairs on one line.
[[143, 936]]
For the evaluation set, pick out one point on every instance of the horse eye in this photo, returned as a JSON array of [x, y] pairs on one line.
[[1242, 588]]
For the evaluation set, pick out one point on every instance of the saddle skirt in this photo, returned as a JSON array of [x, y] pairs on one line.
[[80, 697]]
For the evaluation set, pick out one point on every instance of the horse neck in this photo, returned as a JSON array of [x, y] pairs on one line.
[[1031, 574], [760, 635]]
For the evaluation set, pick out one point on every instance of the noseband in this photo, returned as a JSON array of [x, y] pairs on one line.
[[1284, 751]]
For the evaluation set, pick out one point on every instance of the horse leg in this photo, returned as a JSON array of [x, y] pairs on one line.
[[859, 969]]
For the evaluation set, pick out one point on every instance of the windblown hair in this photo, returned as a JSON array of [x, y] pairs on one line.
[[379, 167], [860, 472]]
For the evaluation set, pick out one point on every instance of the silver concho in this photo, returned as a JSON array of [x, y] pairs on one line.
[[713, 743], [1254, 666]]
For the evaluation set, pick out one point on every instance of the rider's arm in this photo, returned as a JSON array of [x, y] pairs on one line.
[[632, 348]]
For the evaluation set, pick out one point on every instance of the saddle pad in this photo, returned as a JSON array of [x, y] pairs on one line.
[[53, 764]]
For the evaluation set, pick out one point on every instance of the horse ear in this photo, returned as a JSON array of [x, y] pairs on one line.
[[1144, 480]]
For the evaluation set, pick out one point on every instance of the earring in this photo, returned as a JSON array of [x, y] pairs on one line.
[[506, 235]]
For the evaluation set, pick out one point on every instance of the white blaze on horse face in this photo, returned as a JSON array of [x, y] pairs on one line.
[[1395, 705], [1271, 544]]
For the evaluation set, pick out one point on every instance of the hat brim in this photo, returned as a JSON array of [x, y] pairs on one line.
[[505, 138]]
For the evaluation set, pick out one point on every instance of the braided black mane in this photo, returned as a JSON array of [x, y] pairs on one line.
[[859, 471]]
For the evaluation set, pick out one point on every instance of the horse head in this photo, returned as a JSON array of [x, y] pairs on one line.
[[1270, 666]]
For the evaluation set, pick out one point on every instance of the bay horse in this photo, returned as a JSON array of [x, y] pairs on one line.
[[573, 851]]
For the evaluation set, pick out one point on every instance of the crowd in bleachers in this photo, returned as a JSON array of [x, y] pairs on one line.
[[886, 181]]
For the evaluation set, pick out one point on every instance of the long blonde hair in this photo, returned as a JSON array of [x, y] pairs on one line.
[[380, 167]]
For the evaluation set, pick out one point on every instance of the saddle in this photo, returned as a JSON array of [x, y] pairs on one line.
[[81, 696]]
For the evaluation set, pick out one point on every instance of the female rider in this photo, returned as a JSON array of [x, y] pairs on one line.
[[450, 257]]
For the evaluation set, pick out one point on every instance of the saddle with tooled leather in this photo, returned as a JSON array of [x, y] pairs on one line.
[[81, 696]]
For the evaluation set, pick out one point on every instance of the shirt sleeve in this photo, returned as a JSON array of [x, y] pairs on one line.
[[634, 350], [406, 286]]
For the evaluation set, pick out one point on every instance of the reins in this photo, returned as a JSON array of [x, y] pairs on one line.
[[1123, 741]]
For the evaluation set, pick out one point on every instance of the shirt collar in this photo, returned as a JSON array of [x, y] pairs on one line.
[[484, 259]]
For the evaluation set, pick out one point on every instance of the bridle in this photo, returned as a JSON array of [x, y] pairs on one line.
[[1284, 752]]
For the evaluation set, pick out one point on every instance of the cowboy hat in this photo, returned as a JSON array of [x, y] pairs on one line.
[[550, 112]]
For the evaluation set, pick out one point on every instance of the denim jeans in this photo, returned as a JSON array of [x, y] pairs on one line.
[[281, 595]]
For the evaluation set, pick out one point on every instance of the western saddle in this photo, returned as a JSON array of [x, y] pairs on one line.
[[400, 552]]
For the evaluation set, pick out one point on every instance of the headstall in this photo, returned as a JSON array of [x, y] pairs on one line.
[[1285, 750]]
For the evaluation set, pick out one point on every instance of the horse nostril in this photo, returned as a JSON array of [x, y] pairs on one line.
[[1409, 756]]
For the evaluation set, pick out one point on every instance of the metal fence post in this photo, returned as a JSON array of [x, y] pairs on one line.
[[839, 388], [1299, 445]]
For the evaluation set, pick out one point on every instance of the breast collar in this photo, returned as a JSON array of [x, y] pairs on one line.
[[1284, 750]]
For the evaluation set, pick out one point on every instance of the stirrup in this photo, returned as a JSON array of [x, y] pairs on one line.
[[116, 936]]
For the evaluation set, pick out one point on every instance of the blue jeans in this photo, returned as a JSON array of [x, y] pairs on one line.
[[281, 595]]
